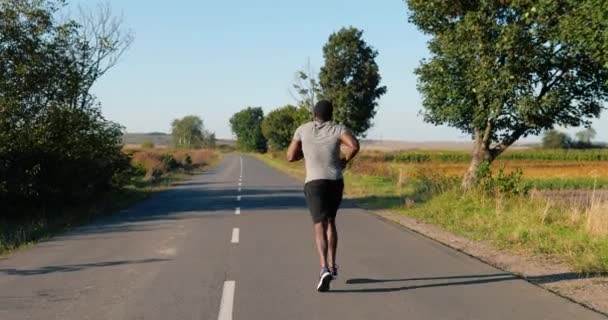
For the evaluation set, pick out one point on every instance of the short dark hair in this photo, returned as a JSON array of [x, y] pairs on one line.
[[324, 110]]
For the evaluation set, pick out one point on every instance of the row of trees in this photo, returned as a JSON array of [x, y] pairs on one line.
[[350, 78], [554, 139], [503, 70], [55, 146], [189, 133], [498, 71]]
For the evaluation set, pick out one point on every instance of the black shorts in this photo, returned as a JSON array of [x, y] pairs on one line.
[[323, 198]]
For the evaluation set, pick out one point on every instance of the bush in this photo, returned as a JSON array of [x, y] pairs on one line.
[[428, 182], [156, 163], [279, 125], [54, 166], [169, 162], [188, 161], [505, 184], [148, 144]]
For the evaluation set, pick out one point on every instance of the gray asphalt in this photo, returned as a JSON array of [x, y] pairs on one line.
[[168, 258]]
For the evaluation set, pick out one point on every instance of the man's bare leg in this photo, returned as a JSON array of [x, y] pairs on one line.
[[320, 230], [332, 239]]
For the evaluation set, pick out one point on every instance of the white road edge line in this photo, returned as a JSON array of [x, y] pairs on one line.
[[227, 302], [235, 235], [237, 211]]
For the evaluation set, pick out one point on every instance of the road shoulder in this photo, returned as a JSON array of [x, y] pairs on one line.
[[591, 292]]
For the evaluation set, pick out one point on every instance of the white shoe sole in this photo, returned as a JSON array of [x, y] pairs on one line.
[[324, 282]]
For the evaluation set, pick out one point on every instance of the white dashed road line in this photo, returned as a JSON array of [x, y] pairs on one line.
[[227, 303], [237, 211], [235, 235], [238, 198]]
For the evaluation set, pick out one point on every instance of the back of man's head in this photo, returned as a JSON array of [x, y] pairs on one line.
[[324, 111]]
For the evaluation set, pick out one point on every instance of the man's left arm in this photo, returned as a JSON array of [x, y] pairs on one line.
[[352, 144]]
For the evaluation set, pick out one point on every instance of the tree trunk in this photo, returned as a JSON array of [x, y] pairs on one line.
[[481, 154]]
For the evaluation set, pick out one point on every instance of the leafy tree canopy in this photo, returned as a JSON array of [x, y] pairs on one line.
[[189, 132], [247, 126], [350, 79], [279, 125]]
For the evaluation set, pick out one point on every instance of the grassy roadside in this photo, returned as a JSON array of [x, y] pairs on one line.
[[15, 235], [578, 237]]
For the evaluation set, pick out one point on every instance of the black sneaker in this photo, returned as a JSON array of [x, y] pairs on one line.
[[324, 280]]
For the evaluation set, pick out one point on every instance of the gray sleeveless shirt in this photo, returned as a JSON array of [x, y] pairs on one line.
[[321, 146]]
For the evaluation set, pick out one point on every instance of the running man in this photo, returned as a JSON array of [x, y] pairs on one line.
[[318, 143]]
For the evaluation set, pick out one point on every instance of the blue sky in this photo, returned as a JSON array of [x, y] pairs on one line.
[[213, 58]]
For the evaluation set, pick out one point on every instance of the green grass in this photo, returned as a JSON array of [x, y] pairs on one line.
[[572, 183], [520, 224], [517, 224], [276, 161]]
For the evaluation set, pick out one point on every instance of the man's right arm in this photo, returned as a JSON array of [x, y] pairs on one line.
[[347, 139], [294, 152]]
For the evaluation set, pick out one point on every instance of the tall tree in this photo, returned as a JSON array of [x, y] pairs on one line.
[[247, 126], [55, 145], [501, 70], [189, 132], [280, 124], [350, 79]]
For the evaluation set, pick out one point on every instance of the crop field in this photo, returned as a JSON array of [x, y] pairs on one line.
[[543, 169]]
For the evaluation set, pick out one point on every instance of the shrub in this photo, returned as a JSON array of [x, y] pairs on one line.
[[148, 144], [169, 162], [188, 161], [427, 182], [505, 184], [279, 125]]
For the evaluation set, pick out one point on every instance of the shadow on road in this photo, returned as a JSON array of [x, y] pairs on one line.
[[470, 280], [190, 201], [75, 267], [367, 280]]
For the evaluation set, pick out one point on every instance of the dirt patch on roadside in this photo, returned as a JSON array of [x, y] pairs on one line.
[[590, 291]]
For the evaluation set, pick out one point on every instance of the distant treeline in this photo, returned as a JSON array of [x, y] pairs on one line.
[[160, 139]]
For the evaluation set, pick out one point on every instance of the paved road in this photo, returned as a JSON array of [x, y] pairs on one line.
[[178, 256]]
